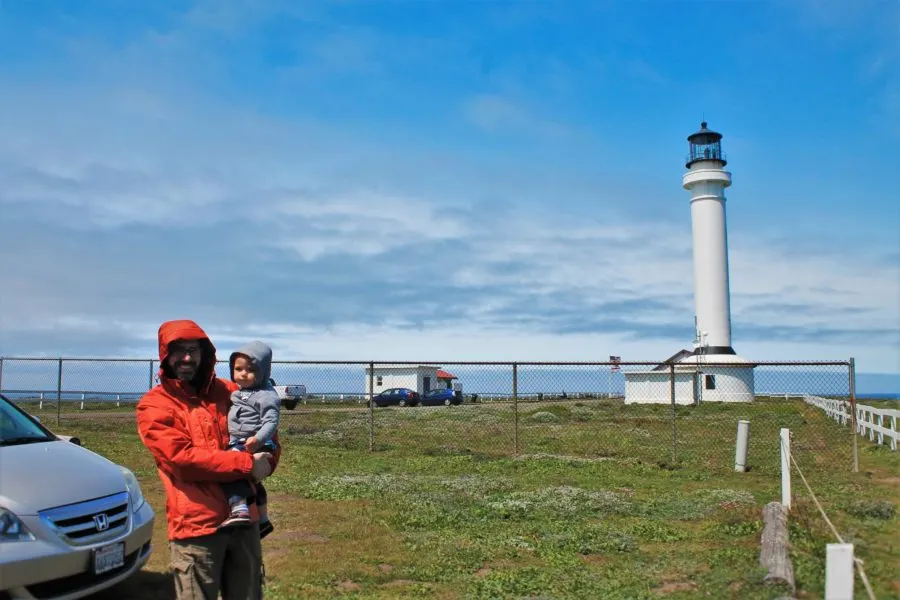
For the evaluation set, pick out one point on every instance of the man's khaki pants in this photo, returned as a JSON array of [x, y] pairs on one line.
[[229, 561]]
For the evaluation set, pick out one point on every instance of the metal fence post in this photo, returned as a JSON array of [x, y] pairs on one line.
[[672, 397], [852, 374], [516, 406], [371, 406], [150, 380], [1, 373], [59, 392]]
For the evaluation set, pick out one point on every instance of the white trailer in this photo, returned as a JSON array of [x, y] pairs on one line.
[[419, 378]]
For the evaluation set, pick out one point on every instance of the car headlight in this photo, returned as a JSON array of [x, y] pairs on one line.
[[12, 529], [134, 489]]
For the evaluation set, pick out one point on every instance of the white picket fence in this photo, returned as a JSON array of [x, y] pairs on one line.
[[874, 423]]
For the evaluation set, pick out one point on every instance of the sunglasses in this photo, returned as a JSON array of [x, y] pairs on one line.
[[185, 349]]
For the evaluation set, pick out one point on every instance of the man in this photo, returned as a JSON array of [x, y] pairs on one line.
[[183, 422]]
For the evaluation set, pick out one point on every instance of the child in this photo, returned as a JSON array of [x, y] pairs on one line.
[[252, 423]]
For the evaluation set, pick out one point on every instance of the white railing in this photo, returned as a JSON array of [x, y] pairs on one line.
[[870, 421], [73, 395]]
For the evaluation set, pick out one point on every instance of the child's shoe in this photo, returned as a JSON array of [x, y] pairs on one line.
[[265, 528], [240, 515]]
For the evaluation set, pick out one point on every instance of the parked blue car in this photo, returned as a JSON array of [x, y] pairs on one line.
[[397, 397], [441, 396]]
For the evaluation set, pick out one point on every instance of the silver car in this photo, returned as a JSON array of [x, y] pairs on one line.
[[71, 522]]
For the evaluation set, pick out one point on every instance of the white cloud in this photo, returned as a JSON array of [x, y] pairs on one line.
[[577, 261], [495, 113], [361, 224]]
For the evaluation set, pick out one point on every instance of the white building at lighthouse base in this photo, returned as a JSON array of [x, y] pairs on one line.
[[698, 378]]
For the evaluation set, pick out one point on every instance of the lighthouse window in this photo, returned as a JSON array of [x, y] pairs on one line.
[[378, 380], [710, 382]]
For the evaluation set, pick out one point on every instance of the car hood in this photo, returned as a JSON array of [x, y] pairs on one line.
[[43, 475]]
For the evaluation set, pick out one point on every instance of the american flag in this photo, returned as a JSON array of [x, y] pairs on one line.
[[615, 360]]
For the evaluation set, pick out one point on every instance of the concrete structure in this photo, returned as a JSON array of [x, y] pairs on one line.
[[420, 378], [695, 381], [713, 372]]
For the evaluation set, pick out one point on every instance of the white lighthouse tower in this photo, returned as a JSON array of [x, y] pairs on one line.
[[722, 375], [712, 372], [707, 179]]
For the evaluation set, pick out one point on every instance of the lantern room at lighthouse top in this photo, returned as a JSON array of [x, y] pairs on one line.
[[705, 144]]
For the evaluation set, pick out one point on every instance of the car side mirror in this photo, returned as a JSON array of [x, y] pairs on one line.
[[70, 438], [36, 418]]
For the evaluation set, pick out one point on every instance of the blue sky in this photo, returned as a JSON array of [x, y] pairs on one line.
[[434, 180]]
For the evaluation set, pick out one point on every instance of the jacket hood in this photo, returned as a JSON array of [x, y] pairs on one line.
[[260, 356], [187, 330]]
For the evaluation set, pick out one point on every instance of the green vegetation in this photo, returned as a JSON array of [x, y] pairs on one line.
[[593, 505]]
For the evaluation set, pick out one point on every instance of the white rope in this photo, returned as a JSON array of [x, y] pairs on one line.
[[857, 561]]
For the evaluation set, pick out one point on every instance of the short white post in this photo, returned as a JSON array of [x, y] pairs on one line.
[[839, 572], [894, 432], [82, 405], [740, 450], [41, 404], [786, 467]]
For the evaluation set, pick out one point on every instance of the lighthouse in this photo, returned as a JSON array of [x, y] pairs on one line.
[[706, 180], [712, 371]]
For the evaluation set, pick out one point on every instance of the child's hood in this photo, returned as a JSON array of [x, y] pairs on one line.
[[260, 355]]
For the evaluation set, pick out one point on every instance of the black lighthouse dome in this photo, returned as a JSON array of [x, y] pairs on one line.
[[705, 144]]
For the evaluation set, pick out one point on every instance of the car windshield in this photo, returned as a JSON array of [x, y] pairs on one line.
[[17, 428]]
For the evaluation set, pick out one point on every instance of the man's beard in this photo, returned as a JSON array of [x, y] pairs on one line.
[[187, 374]]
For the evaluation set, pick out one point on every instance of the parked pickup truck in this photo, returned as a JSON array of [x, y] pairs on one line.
[[290, 395]]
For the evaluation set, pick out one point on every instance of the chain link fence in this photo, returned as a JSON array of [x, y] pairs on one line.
[[667, 414]]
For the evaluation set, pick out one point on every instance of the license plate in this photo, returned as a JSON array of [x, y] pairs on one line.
[[107, 558]]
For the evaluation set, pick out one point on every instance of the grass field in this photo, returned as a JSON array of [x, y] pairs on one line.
[[593, 505]]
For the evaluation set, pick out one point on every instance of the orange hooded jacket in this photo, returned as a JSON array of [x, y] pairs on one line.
[[186, 431]]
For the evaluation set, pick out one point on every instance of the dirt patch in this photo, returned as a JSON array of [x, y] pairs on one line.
[[483, 571], [299, 536], [385, 568], [398, 583], [349, 586], [275, 553], [889, 481], [676, 586]]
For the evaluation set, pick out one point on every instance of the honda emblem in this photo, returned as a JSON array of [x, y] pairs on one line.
[[101, 521]]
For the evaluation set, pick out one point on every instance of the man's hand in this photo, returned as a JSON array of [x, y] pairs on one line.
[[251, 444], [262, 468]]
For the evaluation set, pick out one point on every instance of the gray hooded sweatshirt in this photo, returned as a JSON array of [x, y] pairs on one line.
[[254, 411]]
